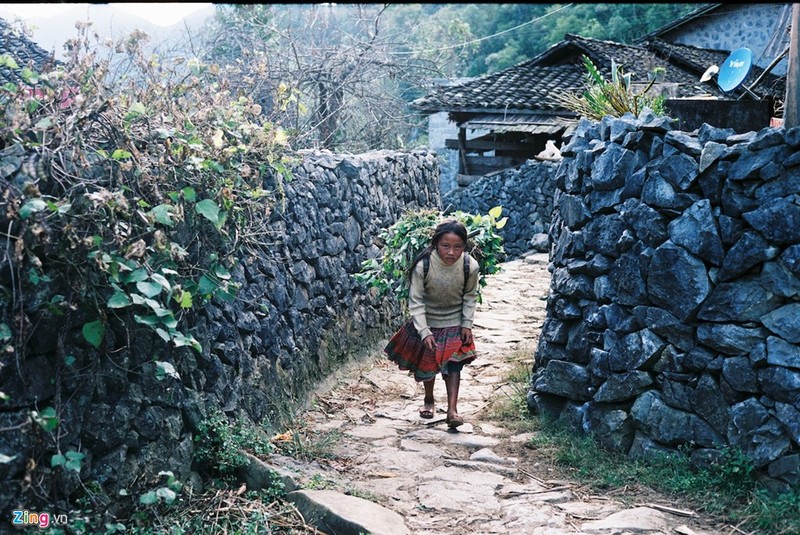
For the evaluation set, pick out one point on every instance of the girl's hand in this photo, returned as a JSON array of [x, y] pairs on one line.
[[430, 343], [466, 336]]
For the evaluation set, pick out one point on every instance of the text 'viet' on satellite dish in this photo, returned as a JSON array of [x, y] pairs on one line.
[[735, 69]]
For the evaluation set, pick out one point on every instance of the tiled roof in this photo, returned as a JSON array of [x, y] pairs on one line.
[[639, 61], [507, 90], [528, 86], [25, 52]]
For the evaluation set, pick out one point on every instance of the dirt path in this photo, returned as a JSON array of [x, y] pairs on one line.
[[481, 478]]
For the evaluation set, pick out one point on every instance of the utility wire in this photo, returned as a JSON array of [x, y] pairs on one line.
[[478, 40]]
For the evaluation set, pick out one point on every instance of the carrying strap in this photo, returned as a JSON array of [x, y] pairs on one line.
[[426, 266]]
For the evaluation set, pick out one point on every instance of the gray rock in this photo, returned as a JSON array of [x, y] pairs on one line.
[[339, 514]]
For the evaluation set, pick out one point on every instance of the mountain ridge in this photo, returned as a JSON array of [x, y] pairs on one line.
[[52, 32]]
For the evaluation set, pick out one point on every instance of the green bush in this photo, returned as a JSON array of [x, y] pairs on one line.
[[220, 444], [614, 98]]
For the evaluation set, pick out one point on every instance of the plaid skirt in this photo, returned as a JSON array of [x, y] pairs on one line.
[[406, 349]]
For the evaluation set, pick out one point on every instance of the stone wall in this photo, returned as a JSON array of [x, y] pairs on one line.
[[133, 406], [526, 195], [674, 314]]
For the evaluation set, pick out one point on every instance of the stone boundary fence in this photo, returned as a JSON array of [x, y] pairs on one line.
[[298, 315], [526, 195], [673, 320]]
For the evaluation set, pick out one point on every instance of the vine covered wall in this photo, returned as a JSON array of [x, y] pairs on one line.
[[120, 405]]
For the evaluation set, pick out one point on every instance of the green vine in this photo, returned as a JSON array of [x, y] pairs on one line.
[[132, 181]]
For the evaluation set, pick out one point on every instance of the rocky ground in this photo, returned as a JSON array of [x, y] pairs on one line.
[[481, 478]]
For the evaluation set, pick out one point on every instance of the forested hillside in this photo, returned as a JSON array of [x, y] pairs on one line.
[[502, 35]]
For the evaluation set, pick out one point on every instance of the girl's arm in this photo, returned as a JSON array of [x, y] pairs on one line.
[[470, 301], [416, 302]]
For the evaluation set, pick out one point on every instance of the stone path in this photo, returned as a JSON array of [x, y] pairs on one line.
[[480, 478]]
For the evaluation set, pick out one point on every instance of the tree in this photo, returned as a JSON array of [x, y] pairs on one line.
[[341, 75]]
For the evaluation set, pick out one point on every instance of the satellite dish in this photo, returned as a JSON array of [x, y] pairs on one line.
[[735, 69]]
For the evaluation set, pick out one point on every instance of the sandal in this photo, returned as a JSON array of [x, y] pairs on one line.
[[454, 422]]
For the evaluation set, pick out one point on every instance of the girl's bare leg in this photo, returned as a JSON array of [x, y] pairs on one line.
[[428, 409], [452, 381]]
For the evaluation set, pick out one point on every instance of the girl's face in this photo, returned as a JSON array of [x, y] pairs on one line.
[[450, 247]]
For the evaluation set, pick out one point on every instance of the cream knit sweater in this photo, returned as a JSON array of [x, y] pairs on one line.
[[442, 301]]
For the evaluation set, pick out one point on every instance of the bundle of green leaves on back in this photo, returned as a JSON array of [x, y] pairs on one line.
[[413, 232]]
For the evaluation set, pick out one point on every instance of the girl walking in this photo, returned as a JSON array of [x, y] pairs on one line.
[[441, 302]]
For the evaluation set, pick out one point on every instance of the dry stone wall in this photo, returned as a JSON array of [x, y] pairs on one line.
[[298, 314], [674, 314], [526, 195]]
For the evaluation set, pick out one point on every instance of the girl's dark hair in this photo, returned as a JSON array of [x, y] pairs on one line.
[[445, 227]]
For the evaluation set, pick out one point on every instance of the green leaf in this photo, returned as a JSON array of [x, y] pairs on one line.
[[31, 206], [120, 154], [502, 223], [189, 194], [119, 300], [149, 289], [181, 340], [8, 61], [137, 275], [165, 369], [207, 285], [221, 272], [184, 299], [44, 124], [74, 459], [75, 455], [69, 360], [29, 76], [93, 332], [147, 320], [208, 209], [148, 498], [163, 334], [137, 108], [163, 214], [47, 419], [57, 460], [168, 320], [168, 495], [155, 306], [5, 332], [162, 280], [496, 212]]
